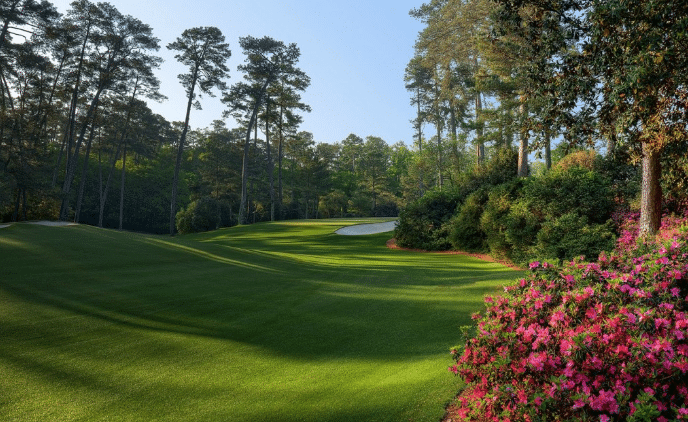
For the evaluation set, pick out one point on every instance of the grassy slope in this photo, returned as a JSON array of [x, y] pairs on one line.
[[271, 322]]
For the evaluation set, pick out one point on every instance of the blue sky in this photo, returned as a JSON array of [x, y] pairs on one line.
[[354, 51]]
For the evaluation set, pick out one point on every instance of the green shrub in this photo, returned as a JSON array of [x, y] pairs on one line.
[[521, 229], [584, 159], [465, 231], [201, 215], [559, 215], [502, 167], [571, 236], [493, 221], [423, 223], [560, 191]]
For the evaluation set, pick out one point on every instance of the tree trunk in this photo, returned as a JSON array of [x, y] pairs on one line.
[[121, 188], [59, 159], [15, 213], [440, 178], [271, 176], [548, 150], [651, 191], [247, 144], [24, 210], [71, 162], [480, 147], [611, 144], [84, 174], [523, 147], [421, 188], [103, 197], [280, 154], [180, 153]]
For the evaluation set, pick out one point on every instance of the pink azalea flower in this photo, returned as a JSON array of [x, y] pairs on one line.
[[578, 404]]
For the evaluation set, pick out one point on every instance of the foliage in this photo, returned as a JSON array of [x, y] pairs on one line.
[[497, 209], [584, 159], [203, 51], [558, 215], [623, 175], [199, 216], [466, 233], [415, 229], [675, 173], [424, 223], [500, 168], [576, 190], [612, 70], [571, 235], [603, 341]]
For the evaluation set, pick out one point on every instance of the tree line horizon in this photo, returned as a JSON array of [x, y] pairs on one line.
[[485, 75]]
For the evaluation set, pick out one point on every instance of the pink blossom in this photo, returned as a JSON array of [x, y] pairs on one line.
[[578, 404], [625, 312], [591, 313]]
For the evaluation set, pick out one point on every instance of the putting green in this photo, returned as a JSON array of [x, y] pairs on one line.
[[271, 322]]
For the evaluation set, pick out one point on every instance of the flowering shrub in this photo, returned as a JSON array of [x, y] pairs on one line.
[[603, 341], [628, 227]]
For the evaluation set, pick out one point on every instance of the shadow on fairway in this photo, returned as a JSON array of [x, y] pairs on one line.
[[328, 296]]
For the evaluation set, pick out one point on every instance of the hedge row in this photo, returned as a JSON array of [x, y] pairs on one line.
[[564, 213]]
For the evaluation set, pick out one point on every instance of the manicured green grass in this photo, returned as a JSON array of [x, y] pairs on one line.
[[271, 322]]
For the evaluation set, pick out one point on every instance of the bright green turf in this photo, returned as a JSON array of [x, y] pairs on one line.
[[270, 322]]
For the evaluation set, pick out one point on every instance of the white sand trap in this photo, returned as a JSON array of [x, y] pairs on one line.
[[362, 229], [52, 223], [43, 223]]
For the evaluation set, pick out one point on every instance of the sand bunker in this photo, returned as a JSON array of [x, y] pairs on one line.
[[43, 223], [362, 229]]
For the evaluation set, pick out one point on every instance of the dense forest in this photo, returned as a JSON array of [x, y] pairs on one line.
[[78, 141]]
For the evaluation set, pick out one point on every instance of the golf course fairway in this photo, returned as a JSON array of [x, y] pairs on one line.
[[274, 322]]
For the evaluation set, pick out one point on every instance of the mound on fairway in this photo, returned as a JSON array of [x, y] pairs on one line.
[[271, 322]]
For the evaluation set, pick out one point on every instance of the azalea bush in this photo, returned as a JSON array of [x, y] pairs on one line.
[[628, 227], [600, 341]]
